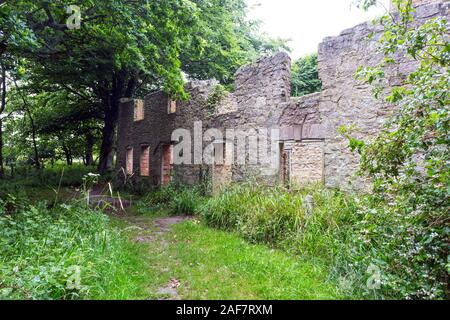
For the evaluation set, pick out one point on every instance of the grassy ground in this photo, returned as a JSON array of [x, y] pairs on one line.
[[211, 264], [131, 280], [127, 257], [186, 261], [47, 234]]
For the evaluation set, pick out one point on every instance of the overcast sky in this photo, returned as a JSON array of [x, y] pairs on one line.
[[307, 22]]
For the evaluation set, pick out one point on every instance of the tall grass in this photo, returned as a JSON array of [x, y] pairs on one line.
[[173, 200], [311, 217], [66, 252], [55, 175]]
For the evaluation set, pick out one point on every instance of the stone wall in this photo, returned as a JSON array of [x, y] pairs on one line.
[[307, 163], [155, 131], [417, 3], [267, 80], [344, 101], [262, 90]]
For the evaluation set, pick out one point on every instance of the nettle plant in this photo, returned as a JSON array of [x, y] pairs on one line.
[[409, 159]]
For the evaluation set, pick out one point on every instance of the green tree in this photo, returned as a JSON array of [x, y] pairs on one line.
[[2, 109], [305, 76], [223, 40], [118, 46], [124, 47], [13, 34]]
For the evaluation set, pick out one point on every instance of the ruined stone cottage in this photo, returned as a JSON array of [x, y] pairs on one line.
[[309, 148]]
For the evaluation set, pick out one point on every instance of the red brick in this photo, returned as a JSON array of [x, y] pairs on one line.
[[145, 161]]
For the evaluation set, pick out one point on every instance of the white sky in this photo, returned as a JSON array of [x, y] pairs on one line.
[[307, 22]]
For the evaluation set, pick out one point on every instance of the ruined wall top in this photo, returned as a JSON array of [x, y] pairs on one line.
[[417, 3], [268, 77], [421, 2], [340, 56]]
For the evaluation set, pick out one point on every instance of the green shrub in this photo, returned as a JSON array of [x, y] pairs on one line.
[[411, 254], [358, 236], [275, 215], [408, 158], [68, 252]]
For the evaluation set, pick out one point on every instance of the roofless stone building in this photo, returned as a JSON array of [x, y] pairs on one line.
[[307, 148]]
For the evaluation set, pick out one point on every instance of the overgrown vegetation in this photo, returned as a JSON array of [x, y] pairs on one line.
[[409, 159], [65, 252], [173, 200], [65, 66], [212, 264], [392, 244], [375, 250]]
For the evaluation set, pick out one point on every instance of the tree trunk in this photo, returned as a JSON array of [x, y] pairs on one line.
[[37, 163], [89, 156], [106, 148], [2, 168], [120, 88]]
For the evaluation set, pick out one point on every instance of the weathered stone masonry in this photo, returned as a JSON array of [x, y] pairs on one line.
[[155, 131], [344, 101], [311, 149]]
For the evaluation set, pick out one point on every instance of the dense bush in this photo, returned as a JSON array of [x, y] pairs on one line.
[[374, 250], [68, 252], [410, 253], [173, 200], [312, 217], [408, 159]]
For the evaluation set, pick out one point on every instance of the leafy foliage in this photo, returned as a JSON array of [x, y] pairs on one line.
[[222, 40], [305, 76], [173, 200], [231, 268], [51, 177], [68, 252], [365, 4]]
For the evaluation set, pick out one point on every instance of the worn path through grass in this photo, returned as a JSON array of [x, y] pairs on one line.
[[187, 260]]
